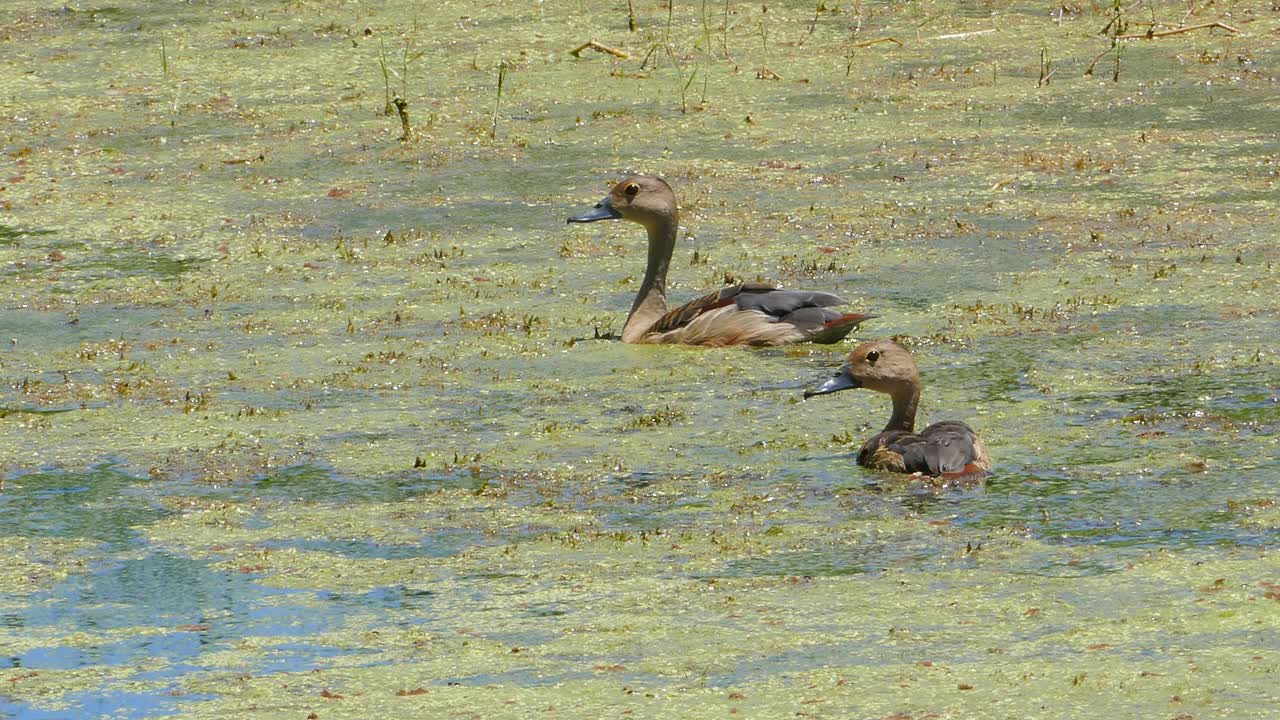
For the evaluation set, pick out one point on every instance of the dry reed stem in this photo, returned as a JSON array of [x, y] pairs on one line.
[[1152, 34], [957, 36], [877, 41], [599, 47]]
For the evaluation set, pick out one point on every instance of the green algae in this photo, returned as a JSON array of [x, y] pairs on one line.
[[36, 563], [349, 369], [955, 644], [46, 689]]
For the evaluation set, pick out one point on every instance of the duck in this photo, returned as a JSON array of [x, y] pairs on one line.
[[752, 313], [948, 451]]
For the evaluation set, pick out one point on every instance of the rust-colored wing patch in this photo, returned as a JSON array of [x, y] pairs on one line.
[[971, 473], [847, 319], [683, 315]]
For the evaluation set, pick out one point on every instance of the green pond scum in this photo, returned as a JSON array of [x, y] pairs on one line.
[[302, 413]]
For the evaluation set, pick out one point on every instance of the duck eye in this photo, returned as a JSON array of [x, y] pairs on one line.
[[631, 189], [873, 356]]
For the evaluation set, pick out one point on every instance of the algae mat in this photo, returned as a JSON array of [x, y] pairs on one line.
[[302, 417]]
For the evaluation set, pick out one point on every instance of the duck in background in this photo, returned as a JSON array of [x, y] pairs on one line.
[[744, 314]]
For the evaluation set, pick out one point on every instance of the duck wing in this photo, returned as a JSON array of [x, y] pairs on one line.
[[809, 311], [778, 303], [942, 448], [688, 312], [949, 449]]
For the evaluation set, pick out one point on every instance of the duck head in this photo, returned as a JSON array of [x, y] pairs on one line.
[[880, 365], [642, 199]]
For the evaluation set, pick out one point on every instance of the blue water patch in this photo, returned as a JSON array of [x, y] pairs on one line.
[[98, 505], [163, 611], [201, 606], [168, 612], [118, 704], [199, 611]]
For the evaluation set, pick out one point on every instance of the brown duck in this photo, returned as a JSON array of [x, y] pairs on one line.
[[745, 314], [947, 450]]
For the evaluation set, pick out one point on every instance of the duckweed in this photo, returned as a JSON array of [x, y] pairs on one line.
[[303, 418]]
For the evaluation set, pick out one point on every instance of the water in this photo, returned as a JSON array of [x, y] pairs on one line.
[[295, 422]]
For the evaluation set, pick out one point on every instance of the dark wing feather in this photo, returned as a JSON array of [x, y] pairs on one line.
[[941, 449], [778, 304], [808, 310], [823, 324]]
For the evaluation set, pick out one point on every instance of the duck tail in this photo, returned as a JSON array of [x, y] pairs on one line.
[[836, 329], [969, 475]]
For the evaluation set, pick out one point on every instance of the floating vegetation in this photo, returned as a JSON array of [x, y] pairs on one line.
[[311, 410], [666, 417]]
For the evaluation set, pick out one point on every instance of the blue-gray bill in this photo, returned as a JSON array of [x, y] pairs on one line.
[[843, 380], [602, 211]]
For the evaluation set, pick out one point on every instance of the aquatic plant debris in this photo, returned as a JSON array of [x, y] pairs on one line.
[[301, 412]]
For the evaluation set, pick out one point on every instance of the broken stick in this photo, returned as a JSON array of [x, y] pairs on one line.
[[1152, 34], [877, 41], [599, 47]]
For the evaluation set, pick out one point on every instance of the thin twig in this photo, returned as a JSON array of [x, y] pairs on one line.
[[869, 43], [1046, 69], [497, 102], [1190, 11], [599, 47], [1089, 70], [645, 63], [813, 24], [1152, 34], [957, 36], [238, 161], [724, 32]]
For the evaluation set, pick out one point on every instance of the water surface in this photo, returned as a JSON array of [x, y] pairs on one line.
[[296, 421]]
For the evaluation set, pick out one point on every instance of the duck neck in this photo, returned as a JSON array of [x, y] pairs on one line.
[[904, 409], [651, 301]]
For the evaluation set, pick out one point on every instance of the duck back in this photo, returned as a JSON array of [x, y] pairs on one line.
[[805, 315], [943, 449]]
